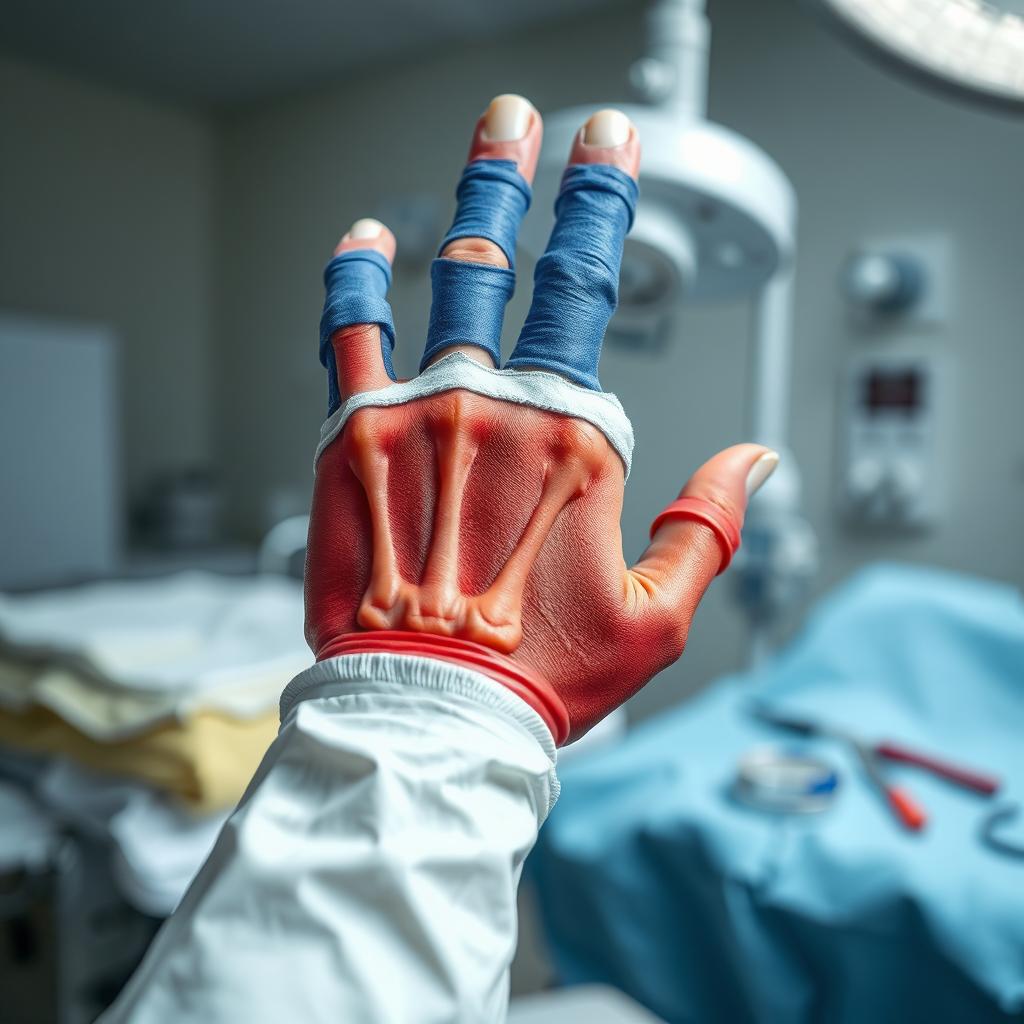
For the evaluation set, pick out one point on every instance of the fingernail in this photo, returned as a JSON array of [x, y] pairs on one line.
[[760, 471], [607, 128], [507, 118], [365, 228]]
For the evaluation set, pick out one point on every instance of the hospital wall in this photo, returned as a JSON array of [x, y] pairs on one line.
[[106, 216], [869, 155]]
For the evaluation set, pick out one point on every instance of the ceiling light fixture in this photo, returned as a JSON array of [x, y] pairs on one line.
[[972, 47]]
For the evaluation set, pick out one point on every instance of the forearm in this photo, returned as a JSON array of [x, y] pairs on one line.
[[369, 873]]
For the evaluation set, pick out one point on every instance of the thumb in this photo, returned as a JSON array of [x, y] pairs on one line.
[[695, 537]]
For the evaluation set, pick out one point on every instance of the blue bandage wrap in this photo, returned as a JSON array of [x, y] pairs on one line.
[[576, 281], [470, 298], [468, 307], [357, 284], [493, 198]]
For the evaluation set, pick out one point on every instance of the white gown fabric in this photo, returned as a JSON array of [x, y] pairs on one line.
[[369, 873]]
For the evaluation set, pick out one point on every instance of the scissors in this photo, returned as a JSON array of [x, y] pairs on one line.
[[906, 809]]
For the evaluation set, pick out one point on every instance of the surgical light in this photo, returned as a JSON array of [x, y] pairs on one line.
[[972, 47]]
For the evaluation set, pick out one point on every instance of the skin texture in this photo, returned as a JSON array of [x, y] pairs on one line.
[[492, 529]]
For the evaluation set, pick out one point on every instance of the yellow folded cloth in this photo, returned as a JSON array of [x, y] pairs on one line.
[[206, 759], [109, 713], [172, 681]]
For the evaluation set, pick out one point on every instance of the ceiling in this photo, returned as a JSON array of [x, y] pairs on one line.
[[227, 52]]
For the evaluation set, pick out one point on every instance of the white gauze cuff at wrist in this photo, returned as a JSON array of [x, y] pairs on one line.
[[536, 388]]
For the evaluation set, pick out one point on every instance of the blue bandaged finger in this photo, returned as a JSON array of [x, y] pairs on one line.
[[468, 307], [469, 298], [357, 284], [493, 198], [576, 281]]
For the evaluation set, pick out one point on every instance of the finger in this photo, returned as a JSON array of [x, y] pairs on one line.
[[576, 281], [695, 537], [356, 330], [474, 275]]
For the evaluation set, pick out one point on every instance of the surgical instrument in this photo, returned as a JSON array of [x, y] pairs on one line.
[[906, 809]]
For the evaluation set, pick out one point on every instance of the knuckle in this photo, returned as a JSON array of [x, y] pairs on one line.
[[568, 438], [476, 250], [722, 500], [361, 430], [673, 630], [580, 441], [451, 410], [462, 414], [660, 632], [483, 428]]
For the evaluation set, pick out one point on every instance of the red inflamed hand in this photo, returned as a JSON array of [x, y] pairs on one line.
[[471, 514]]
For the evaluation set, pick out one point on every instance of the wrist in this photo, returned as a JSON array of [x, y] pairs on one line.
[[526, 684]]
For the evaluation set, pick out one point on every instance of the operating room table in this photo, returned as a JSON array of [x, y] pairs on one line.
[[654, 879]]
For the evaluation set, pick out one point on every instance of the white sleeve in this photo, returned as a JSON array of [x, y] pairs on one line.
[[369, 873]]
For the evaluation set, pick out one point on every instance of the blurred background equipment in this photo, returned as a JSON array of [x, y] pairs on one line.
[[182, 511], [784, 781], [895, 408], [883, 283], [60, 517], [68, 939], [896, 405]]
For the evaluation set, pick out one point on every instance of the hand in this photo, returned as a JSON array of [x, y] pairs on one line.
[[472, 514]]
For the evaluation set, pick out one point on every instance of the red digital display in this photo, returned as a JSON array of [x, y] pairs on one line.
[[888, 390]]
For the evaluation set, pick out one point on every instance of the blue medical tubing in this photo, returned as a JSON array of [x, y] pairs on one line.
[[469, 299], [576, 281], [357, 284]]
